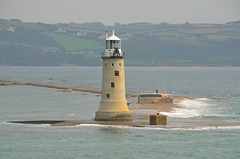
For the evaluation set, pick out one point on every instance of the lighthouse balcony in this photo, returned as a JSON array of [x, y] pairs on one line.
[[112, 55]]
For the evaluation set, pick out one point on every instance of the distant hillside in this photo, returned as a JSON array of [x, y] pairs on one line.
[[145, 44]]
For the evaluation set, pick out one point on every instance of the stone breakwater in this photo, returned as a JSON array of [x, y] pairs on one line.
[[172, 123], [6, 82], [140, 112]]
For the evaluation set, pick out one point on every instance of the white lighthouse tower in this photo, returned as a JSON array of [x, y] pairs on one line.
[[113, 105]]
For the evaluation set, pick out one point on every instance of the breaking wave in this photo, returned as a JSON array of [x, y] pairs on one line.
[[161, 128], [205, 127], [190, 108]]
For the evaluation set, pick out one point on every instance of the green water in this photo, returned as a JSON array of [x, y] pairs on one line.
[[21, 141], [217, 95]]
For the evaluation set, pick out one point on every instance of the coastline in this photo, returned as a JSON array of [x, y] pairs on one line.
[[172, 123], [140, 112]]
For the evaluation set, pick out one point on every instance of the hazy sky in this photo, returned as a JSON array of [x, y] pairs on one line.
[[121, 11]]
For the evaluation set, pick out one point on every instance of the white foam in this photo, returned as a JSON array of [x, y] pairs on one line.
[[203, 99], [189, 108], [39, 125], [161, 128], [87, 125], [205, 127], [107, 126], [140, 127], [121, 126], [29, 125]]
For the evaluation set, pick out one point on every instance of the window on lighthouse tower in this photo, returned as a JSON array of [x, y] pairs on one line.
[[116, 73], [112, 85]]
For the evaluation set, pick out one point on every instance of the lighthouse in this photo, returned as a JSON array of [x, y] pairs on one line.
[[113, 104]]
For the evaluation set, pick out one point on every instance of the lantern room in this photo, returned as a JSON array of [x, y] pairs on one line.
[[113, 46]]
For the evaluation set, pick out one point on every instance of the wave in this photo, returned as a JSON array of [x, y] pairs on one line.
[[40, 125], [205, 127], [145, 127], [149, 127], [30, 125], [119, 126], [204, 99], [189, 108]]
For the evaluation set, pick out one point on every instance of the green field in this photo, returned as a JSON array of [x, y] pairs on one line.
[[73, 43], [145, 44]]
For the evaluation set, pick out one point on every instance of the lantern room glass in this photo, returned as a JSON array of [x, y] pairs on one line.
[[113, 44]]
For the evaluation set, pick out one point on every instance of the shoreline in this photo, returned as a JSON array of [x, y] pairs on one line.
[[140, 112], [172, 123]]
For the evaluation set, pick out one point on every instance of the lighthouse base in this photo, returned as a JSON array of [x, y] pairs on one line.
[[113, 116]]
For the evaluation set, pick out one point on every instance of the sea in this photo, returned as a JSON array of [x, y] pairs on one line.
[[214, 93]]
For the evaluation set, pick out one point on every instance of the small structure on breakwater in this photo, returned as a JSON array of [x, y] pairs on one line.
[[158, 119], [158, 97]]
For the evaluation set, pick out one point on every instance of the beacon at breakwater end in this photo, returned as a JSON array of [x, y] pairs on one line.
[[113, 104]]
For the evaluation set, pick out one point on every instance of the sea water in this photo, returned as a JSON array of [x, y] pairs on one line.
[[215, 93]]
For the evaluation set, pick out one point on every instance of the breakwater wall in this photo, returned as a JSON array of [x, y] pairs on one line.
[[6, 82]]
